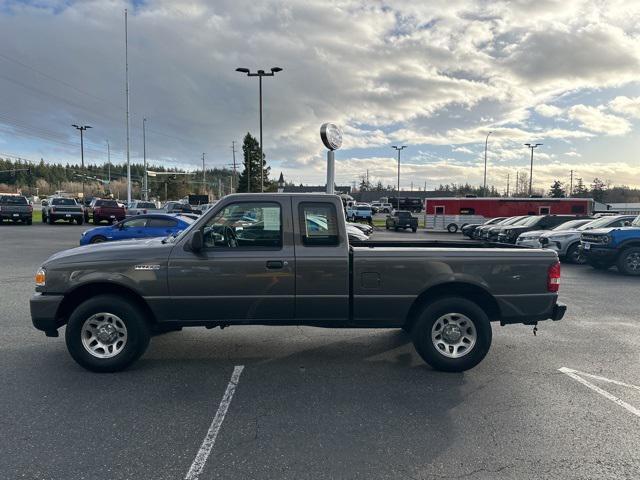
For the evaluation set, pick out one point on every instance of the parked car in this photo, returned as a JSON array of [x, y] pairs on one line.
[[363, 227], [481, 232], [566, 243], [401, 219], [180, 207], [62, 208], [101, 209], [510, 233], [360, 212], [469, 229], [289, 270], [490, 232], [138, 207], [140, 226], [15, 208], [531, 238], [620, 246]]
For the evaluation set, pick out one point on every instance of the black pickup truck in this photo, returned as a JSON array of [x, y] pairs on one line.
[[401, 219], [15, 208], [285, 259]]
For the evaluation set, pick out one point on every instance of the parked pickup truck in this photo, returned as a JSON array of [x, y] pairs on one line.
[[401, 219], [15, 208], [104, 209], [291, 264], [60, 208]]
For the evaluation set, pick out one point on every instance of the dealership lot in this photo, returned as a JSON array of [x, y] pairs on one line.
[[317, 403]]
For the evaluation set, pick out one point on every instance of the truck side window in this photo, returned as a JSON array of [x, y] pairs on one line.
[[318, 224], [245, 225]]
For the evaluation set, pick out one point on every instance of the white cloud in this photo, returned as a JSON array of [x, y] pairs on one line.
[[548, 110], [594, 119], [626, 106]]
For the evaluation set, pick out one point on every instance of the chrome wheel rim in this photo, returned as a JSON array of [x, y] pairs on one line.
[[104, 335], [454, 335], [633, 262]]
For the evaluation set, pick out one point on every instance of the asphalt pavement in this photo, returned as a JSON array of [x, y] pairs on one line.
[[316, 403]]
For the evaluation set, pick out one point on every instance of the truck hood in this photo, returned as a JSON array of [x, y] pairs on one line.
[[110, 251]]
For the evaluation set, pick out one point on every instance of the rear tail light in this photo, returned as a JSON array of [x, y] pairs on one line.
[[144, 211], [30, 209], [53, 209], [553, 277]]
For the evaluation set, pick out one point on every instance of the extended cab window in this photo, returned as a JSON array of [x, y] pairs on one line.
[[319, 224], [246, 225]]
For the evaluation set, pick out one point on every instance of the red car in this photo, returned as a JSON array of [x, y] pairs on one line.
[[104, 209]]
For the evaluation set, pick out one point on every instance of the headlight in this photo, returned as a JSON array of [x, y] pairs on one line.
[[41, 277], [606, 239]]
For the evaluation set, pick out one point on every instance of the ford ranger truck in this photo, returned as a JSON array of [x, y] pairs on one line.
[[285, 259]]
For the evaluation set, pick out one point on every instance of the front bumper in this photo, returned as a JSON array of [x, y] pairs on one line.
[[44, 309], [599, 253]]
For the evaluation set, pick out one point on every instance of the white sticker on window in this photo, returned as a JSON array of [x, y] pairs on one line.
[[271, 218]]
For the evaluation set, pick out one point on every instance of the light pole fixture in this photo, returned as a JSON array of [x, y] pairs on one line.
[[399, 149], [144, 157], [82, 129], [531, 146], [484, 184], [259, 74], [331, 137]]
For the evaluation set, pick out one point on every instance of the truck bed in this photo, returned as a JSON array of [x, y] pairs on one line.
[[431, 244]]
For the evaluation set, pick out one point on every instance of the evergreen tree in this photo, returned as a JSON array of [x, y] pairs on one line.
[[598, 189], [250, 176], [580, 190], [556, 190]]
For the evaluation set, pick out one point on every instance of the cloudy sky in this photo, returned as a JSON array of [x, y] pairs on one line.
[[436, 76]]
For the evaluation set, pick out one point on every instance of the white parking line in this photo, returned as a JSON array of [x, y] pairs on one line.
[[210, 437], [575, 374]]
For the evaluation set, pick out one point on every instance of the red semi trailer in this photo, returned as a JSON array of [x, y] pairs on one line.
[[452, 213]]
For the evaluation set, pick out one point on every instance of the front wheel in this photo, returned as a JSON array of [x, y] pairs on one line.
[[452, 334], [575, 255], [107, 333], [98, 239], [629, 261]]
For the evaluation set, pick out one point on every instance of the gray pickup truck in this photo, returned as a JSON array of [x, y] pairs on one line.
[[15, 208], [282, 259]]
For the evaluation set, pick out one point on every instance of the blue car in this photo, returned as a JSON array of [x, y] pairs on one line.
[[140, 226]]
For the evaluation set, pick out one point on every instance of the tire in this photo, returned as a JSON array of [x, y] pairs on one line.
[[458, 312], [80, 221], [575, 255], [386, 226], [50, 220], [29, 221], [395, 228], [414, 230], [95, 221], [127, 321], [98, 239], [44, 218], [452, 228], [629, 261]]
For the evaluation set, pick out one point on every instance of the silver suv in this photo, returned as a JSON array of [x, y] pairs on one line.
[[566, 242]]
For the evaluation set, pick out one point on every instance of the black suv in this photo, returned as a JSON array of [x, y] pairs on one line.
[[510, 233]]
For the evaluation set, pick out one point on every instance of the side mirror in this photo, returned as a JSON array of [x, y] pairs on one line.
[[197, 241]]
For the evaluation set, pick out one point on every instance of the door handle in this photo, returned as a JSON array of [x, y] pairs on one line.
[[274, 264]]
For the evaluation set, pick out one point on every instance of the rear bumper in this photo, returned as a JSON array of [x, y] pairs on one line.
[[63, 215], [15, 215], [44, 309], [530, 309]]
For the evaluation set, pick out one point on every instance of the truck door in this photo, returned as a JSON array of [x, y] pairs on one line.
[[322, 261], [245, 270]]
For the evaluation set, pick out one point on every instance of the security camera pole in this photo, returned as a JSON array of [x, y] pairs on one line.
[[331, 136], [399, 149], [260, 74], [531, 146]]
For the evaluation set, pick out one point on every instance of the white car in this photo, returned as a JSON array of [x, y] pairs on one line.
[[532, 239]]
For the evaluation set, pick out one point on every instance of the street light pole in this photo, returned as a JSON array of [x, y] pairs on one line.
[[531, 146], [484, 185], [82, 128], [144, 156], [260, 74], [399, 149]]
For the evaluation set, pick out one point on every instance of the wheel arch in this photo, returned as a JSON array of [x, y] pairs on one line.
[[470, 291], [83, 292]]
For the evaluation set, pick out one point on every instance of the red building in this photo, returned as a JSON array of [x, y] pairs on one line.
[[451, 213]]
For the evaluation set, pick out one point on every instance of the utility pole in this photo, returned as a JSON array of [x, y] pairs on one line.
[[260, 74], [399, 149], [233, 176], [425, 185], [109, 163], [126, 70], [144, 156], [571, 185], [507, 184], [412, 185], [219, 187], [204, 176], [517, 182], [82, 128], [531, 146], [484, 185]]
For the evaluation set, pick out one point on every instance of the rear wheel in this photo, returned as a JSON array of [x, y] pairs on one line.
[[107, 333], [414, 230], [29, 221], [452, 334], [95, 221], [50, 220], [629, 261], [79, 220], [452, 228], [44, 218], [575, 255]]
